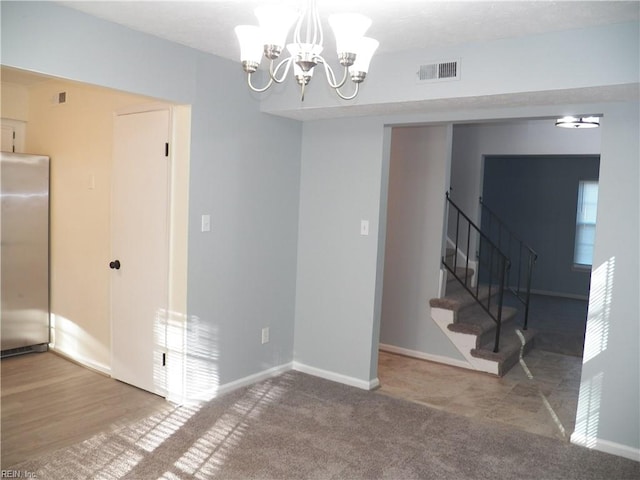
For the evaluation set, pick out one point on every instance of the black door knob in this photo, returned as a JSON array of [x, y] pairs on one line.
[[115, 264]]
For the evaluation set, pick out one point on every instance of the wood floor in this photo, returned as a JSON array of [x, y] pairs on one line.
[[48, 402]]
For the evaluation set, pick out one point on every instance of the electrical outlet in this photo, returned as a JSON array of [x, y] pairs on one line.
[[265, 335]]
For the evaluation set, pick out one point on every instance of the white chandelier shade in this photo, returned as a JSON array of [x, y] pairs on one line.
[[275, 23], [269, 39], [348, 29], [250, 39]]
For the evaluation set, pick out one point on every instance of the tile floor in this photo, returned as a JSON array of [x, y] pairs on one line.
[[542, 401]]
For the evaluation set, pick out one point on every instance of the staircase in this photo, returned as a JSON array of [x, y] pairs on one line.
[[471, 311], [473, 331]]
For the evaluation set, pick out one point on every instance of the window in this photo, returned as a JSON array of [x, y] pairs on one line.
[[585, 223]]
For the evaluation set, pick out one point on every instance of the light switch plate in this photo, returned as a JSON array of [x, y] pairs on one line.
[[206, 223], [364, 227]]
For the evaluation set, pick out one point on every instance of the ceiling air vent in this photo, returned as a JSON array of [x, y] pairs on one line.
[[439, 71]]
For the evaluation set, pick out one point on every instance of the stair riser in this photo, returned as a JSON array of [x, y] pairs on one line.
[[508, 364], [463, 342]]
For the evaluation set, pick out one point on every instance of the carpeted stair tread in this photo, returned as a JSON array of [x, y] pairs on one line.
[[510, 348], [476, 321], [459, 299]]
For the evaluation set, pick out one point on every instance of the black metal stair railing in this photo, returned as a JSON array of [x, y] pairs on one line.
[[494, 264], [522, 256]]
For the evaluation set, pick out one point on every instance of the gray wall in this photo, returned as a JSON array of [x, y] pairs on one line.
[[538, 67], [608, 413], [245, 173], [419, 166], [536, 197], [342, 171], [245, 169]]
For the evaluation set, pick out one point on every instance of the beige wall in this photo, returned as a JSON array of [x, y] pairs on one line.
[[78, 136], [14, 111], [14, 101]]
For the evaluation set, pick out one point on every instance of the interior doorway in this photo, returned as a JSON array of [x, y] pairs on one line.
[[444, 387], [78, 136]]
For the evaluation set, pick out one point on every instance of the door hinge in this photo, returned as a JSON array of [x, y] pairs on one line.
[[164, 359], [166, 149]]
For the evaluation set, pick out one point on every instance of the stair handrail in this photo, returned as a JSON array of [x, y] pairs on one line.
[[496, 256], [531, 257]]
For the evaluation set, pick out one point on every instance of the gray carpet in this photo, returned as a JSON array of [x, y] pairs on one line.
[[298, 426]]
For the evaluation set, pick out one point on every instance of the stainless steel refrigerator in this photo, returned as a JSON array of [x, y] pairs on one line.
[[24, 253]]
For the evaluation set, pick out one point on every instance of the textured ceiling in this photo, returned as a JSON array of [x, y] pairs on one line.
[[397, 24]]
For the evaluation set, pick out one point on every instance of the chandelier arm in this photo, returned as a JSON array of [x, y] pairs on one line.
[[258, 90], [351, 97], [331, 77], [273, 73]]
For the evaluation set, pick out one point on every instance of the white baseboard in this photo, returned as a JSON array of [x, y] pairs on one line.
[[83, 361], [607, 447], [425, 356], [337, 377], [212, 393]]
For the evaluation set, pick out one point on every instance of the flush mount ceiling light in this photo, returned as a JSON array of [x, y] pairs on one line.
[[578, 122], [354, 50]]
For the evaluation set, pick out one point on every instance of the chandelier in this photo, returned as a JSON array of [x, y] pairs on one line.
[[354, 50]]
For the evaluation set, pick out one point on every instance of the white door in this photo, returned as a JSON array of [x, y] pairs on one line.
[[140, 249]]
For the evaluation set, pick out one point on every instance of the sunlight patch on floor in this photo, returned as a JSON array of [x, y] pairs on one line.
[[209, 452], [543, 397], [151, 432]]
